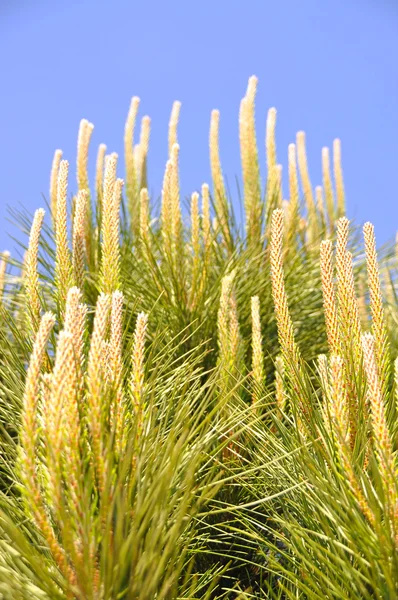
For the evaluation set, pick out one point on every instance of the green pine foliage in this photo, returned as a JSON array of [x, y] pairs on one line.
[[160, 441]]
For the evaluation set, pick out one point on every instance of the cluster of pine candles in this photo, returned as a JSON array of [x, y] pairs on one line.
[[166, 441]]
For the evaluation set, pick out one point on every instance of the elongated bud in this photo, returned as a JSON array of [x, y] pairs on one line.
[[284, 322], [78, 240], [144, 147], [173, 124], [220, 195], [99, 171], [131, 177], [54, 182], [83, 142], [338, 177], [144, 213], [195, 245], [31, 272], [175, 207], [166, 209], [270, 144], [346, 301], [342, 240], [63, 267], [215, 163], [250, 166], [110, 264], [379, 327], [85, 132]]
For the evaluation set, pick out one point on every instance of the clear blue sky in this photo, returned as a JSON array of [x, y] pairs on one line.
[[329, 67]]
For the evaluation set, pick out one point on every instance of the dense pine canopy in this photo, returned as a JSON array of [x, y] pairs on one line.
[[193, 407]]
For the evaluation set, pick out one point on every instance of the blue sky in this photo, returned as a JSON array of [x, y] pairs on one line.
[[328, 66]]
